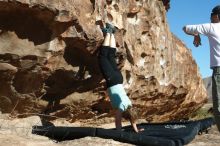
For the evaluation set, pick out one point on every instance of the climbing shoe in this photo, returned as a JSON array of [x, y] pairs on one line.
[[105, 30], [110, 27]]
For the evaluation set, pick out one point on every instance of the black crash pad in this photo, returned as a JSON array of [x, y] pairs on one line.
[[155, 134]]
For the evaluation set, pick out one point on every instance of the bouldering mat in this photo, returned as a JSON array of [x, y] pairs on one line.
[[180, 132], [155, 134]]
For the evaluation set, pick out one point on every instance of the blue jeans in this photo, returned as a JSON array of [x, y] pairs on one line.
[[216, 94]]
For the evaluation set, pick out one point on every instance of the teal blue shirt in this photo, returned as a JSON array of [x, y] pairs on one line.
[[118, 97]]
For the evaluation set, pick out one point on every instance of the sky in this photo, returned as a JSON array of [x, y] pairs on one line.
[[183, 12]]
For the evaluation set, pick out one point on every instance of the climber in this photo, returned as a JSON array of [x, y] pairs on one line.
[[114, 80], [212, 31]]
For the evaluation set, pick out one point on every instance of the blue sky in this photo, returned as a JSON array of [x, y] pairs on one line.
[[183, 12]]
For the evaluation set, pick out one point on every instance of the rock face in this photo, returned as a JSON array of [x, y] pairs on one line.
[[48, 54]]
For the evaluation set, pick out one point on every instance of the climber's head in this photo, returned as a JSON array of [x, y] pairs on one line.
[[130, 114], [215, 14]]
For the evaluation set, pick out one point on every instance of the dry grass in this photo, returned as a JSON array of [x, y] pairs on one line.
[[201, 113]]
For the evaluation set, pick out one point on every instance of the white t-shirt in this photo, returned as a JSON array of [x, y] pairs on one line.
[[212, 31]]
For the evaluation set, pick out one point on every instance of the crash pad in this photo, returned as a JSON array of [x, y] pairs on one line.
[[154, 134]]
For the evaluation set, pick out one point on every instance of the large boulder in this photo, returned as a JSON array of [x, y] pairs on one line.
[[48, 54]]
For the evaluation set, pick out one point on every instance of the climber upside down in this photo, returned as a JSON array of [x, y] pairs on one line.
[[114, 80]]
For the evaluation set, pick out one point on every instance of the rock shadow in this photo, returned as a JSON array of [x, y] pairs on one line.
[[37, 24], [85, 78]]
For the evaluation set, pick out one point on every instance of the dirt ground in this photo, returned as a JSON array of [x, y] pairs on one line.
[[17, 132]]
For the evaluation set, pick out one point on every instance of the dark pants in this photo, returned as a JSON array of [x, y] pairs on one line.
[[216, 95], [108, 66]]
